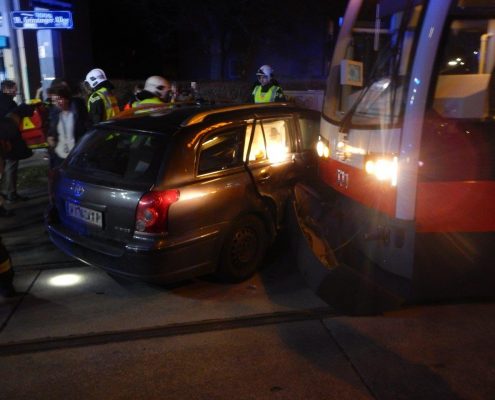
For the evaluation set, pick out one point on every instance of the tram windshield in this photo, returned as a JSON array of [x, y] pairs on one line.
[[367, 85]]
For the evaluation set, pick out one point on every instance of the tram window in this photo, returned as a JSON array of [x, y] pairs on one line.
[[458, 143], [465, 70], [385, 54], [310, 130]]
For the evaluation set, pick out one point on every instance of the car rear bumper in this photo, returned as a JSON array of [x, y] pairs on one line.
[[177, 262]]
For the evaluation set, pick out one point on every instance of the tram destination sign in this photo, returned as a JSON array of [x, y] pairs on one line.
[[41, 19]]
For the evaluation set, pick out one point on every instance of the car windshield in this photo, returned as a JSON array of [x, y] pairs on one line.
[[131, 157]]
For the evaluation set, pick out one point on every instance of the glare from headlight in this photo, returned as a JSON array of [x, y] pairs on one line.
[[65, 280], [322, 149], [383, 169]]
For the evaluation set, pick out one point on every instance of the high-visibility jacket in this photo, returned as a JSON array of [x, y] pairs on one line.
[[266, 97], [109, 100], [151, 100]]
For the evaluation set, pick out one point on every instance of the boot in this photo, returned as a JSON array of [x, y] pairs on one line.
[[6, 273]]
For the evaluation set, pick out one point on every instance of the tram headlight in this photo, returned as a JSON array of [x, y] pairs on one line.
[[383, 168], [322, 148]]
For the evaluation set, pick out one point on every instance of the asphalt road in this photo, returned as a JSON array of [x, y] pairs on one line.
[[74, 332]]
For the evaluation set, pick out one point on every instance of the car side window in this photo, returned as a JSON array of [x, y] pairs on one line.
[[221, 150], [271, 140], [310, 130], [258, 145]]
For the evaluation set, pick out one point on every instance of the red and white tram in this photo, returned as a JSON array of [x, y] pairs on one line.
[[407, 155]]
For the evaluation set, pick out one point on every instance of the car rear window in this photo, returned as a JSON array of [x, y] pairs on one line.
[[132, 157]]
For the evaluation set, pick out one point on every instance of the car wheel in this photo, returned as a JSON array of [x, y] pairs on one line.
[[243, 250]]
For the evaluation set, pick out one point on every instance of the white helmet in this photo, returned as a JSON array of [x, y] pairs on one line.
[[157, 85], [95, 77], [265, 70]]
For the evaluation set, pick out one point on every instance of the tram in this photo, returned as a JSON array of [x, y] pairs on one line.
[[406, 212]]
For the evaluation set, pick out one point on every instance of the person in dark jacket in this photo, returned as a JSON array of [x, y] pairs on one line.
[[14, 148], [138, 87], [8, 90], [68, 121]]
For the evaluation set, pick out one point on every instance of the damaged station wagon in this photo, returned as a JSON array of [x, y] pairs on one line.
[[166, 194]]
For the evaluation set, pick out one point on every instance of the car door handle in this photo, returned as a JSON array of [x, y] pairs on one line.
[[263, 177]]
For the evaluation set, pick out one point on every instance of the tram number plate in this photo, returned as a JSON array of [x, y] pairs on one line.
[[342, 179], [87, 215]]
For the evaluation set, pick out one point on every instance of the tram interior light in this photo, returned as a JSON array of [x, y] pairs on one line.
[[383, 168]]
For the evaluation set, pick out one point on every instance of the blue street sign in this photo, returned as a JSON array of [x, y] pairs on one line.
[[41, 19]]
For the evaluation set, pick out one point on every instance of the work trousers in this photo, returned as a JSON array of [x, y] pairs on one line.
[[9, 178]]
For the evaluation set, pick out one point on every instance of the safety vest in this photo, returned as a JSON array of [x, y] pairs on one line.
[[151, 100], [267, 97], [109, 100]]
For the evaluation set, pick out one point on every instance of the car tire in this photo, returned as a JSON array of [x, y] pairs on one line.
[[243, 249]]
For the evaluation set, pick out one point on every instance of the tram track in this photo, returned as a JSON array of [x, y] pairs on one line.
[[46, 266], [169, 330]]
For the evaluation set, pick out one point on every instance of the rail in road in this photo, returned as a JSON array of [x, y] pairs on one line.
[[45, 344]]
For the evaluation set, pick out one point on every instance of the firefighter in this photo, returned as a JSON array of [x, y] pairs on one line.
[[267, 89], [157, 90], [102, 104]]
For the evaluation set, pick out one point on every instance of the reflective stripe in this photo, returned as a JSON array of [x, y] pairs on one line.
[[266, 97], [151, 100], [27, 123], [5, 266], [109, 101]]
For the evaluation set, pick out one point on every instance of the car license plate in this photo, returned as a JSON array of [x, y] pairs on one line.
[[87, 215]]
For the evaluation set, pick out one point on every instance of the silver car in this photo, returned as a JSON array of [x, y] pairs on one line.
[[166, 194]]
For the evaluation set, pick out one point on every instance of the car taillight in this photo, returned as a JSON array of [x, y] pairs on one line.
[[152, 210]]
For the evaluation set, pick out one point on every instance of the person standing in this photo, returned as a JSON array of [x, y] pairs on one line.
[[8, 90], [157, 90], [12, 147], [68, 122], [138, 87], [102, 104], [267, 89], [11, 161]]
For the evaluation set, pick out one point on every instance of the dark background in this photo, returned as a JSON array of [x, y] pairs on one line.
[[213, 39]]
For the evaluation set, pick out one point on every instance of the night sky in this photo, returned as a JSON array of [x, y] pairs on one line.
[[172, 37]]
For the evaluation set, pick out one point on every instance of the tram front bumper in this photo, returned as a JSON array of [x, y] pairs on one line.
[[339, 285]]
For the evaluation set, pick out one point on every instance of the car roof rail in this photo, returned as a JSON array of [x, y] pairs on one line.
[[201, 116]]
